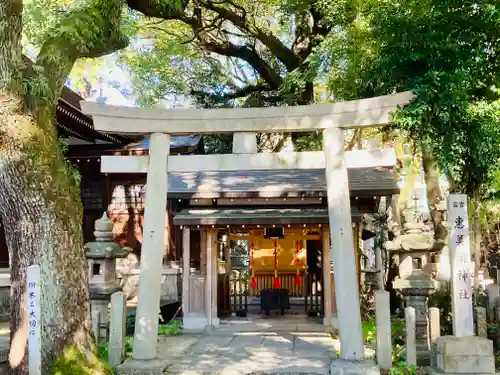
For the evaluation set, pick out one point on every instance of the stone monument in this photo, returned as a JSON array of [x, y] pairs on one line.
[[412, 252], [462, 353], [102, 255]]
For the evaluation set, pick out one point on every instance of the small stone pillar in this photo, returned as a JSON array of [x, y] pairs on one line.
[[102, 255], [412, 250]]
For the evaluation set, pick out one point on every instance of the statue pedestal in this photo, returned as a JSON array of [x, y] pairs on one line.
[[412, 251], [416, 293], [463, 355]]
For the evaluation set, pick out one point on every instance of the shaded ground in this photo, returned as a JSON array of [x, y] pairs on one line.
[[286, 345], [289, 344]]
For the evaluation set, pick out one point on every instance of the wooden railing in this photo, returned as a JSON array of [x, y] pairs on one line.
[[232, 296], [233, 292], [313, 295], [287, 281]]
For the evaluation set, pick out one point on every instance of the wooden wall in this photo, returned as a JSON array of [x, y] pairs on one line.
[[126, 210], [120, 196]]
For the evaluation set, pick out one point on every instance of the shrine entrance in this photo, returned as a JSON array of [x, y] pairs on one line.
[[271, 271], [332, 185], [269, 259]]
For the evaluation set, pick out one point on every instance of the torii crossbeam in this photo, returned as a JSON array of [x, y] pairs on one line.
[[245, 123]]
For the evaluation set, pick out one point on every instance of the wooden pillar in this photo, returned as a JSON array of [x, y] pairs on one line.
[[327, 286], [106, 192], [186, 248], [148, 306], [203, 251], [227, 254], [214, 271], [340, 219], [208, 275]]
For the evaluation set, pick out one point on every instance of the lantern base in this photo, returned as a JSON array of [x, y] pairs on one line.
[[344, 367], [194, 322]]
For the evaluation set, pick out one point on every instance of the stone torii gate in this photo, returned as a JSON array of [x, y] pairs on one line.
[[245, 123]]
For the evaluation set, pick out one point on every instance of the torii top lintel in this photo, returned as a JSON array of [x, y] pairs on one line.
[[350, 114]]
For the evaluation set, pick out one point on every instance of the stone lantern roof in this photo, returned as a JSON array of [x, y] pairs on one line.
[[414, 240], [104, 247]]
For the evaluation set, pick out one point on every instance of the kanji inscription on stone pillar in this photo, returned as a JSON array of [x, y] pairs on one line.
[[34, 332], [461, 266]]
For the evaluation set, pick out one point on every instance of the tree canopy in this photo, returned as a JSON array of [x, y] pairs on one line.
[[448, 55], [232, 50]]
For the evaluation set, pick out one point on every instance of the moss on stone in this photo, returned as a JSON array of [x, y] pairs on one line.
[[75, 362]]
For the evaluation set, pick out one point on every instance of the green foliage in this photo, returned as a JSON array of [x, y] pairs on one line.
[[170, 329], [441, 299], [397, 335], [446, 54], [312, 142], [128, 346], [369, 331], [73, 361], [218, 144], [39, 16], [103, 352], [169, 63], [401, 368], [465, 138]]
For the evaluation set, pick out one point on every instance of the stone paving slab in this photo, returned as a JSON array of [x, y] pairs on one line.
[[250, 348]]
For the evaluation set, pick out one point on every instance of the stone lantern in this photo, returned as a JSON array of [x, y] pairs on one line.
[[102, 255], [412, 252]]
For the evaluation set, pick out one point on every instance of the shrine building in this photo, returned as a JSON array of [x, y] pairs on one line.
[[293, 214]]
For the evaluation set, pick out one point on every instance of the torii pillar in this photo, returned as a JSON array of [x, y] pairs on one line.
[[342, 251], [148, 303], [331, 118]]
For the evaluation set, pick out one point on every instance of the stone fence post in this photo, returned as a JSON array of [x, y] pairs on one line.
[[116, 346], [411, 345], [481, 323], [383, 324]]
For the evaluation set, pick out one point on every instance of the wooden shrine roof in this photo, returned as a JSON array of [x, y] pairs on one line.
[[191, 144], [255, 216], [73, 123], [363, 182]]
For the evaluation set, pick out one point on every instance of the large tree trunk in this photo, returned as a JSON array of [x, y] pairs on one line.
[[42, 217], [39, 196], [434, 196]]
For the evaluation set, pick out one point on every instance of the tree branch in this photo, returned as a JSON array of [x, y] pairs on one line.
[[239, 93], [70, 40], [167, 10], [355, 136], [283, 53], [248, 54], [247, 90], [176, 11]]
